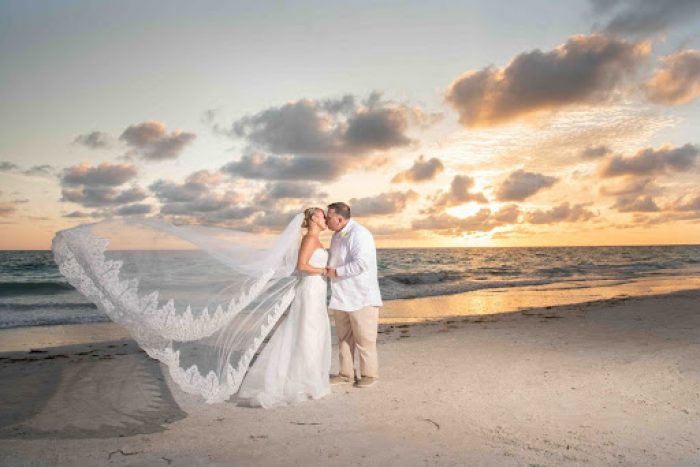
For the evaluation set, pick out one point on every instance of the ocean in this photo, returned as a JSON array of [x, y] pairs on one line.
[[33, 292]]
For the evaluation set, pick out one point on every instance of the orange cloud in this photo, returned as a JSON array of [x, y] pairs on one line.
[[677, 81], [587, 69]]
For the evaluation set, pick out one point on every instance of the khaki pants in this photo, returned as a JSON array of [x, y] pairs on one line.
[[357, 330]]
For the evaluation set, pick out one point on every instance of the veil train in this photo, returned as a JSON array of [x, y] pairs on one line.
[[199, 299]]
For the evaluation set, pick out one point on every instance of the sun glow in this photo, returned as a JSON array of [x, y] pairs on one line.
[[465, 210]]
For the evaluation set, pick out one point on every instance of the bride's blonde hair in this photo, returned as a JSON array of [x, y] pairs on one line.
[[308, 214]]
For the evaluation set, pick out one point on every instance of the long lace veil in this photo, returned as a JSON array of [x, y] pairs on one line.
[[199, 299]]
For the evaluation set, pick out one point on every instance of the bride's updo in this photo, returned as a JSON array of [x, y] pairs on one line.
[[308, 214]]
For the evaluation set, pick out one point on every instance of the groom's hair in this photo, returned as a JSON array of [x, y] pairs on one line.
[[341, 209]]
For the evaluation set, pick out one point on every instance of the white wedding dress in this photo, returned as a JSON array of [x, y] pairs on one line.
[[295, 364], [203, 300]]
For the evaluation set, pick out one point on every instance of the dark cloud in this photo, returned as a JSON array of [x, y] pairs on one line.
[[262, 167], [677, 81], [151, 141], [422, 170], [635, 204], [378, 129], [100, 186], [7, 209], [105, 174], [562, 213], [311, 139], [94, 140], [279, 193], [595, 152], [459, 193], [43, 170], [197, 199], [196, 185], [101, 196], [329, 127], [383, 204], [520, 185], [640, 17], [8, 166], [133, 209], [483, 221], [584, 70], [78, 214], [652, 161]]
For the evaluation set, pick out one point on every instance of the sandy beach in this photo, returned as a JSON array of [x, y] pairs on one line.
[[611, 382]]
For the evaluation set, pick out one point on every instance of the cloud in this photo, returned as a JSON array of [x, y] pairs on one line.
[[43, 170], [279, 193], [311, 139], [631, 185], [689, 202], [271, 220], [640, 17], [8, 166], [78, 214], [561, 213], [7, 209], [635, 204], [651, 161], [197, 199], [483, 221], [595, 152], [151, 141], [133, 209], [93, 140], [520, 185], [383, 204], [584, 70], [262, 167], [105, 174], [101, 185], [422, 170], [101, 196], [459, 193], [328, 127], [677, 81]]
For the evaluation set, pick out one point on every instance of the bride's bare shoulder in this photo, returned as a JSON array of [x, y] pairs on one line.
[[311, 241]]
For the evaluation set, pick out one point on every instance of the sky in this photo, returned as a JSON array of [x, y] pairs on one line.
[[442, 124]]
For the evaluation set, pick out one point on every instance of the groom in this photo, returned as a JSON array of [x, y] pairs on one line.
[[355, 297]]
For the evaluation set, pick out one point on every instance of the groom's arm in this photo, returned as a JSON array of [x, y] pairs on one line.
[[360, 249]]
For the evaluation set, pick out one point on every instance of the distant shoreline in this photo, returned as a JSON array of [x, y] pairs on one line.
[[19, 339]]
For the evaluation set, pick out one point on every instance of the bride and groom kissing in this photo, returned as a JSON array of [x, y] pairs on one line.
[[295, 364], [205, 308]]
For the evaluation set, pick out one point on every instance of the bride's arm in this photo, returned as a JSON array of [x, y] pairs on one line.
[[305, 251]]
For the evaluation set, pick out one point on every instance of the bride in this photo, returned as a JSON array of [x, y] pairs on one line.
[[202, 300], [296, 362]]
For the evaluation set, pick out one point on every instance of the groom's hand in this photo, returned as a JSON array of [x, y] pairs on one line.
[[330, 272]]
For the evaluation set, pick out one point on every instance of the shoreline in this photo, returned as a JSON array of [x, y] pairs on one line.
[[396, 311]]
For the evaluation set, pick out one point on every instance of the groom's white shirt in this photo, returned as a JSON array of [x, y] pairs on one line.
[[354, 257]]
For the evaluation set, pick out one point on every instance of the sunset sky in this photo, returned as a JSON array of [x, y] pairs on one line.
[[464, 123]]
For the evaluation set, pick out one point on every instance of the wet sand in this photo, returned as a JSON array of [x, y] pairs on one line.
[[615, 381]]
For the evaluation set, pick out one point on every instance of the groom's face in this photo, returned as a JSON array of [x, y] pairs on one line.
[[334, 221]]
